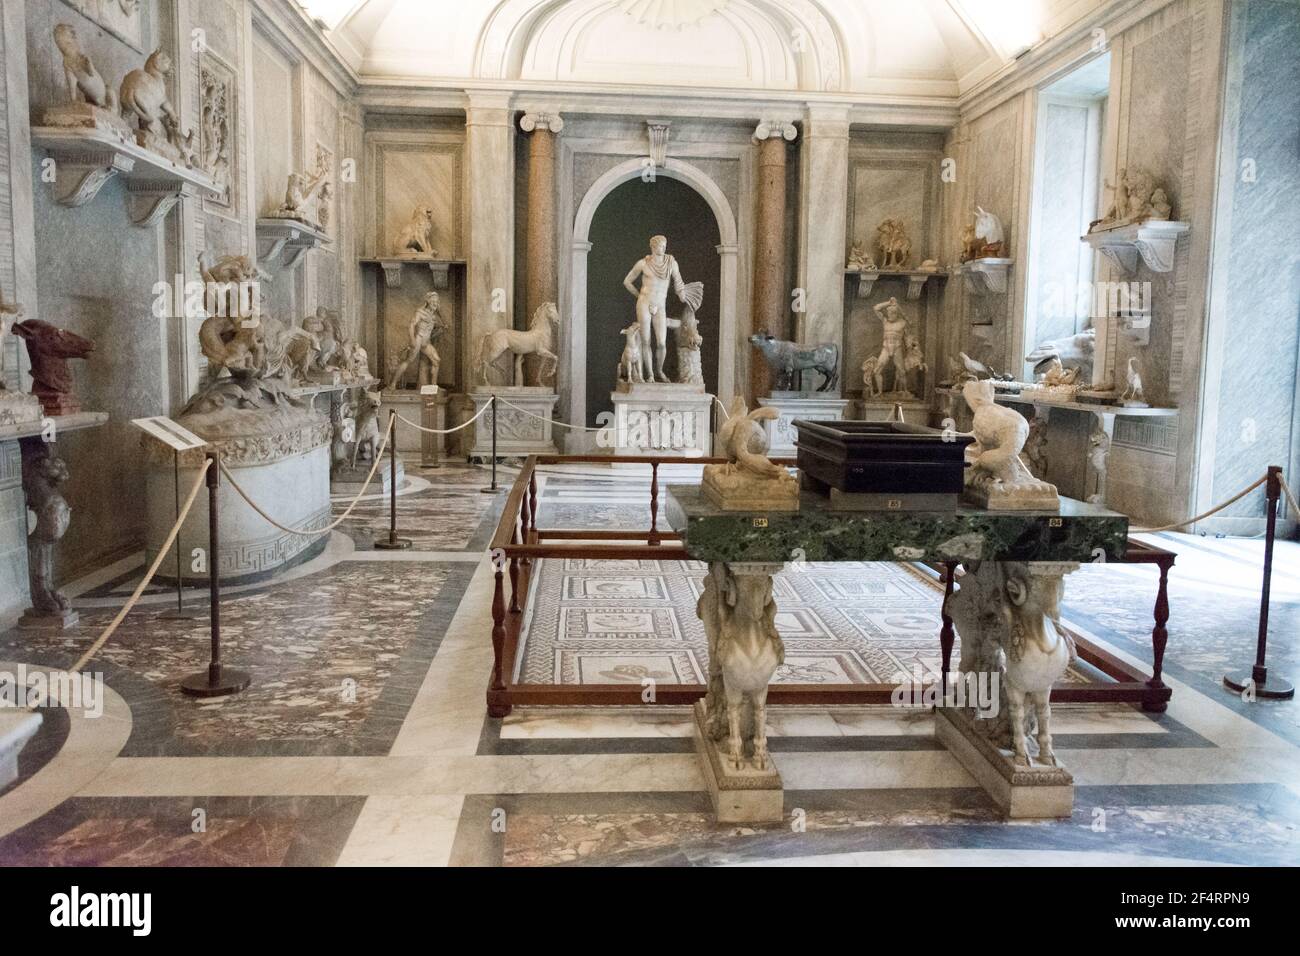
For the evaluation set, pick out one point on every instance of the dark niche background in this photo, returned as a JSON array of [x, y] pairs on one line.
[[620, 235]]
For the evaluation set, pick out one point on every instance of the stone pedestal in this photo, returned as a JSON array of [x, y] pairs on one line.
[[739, 796], [408, 403], [17, 726], [662, 419], [522, 430], [349, 481], [1023, 793], [882, 410], [433, 415], [732, 489], [280, 457], [781, 433]]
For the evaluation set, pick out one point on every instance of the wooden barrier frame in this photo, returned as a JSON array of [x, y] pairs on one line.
[[519, 541]]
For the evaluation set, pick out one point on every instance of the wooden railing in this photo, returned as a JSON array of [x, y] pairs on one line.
[[520, 541]]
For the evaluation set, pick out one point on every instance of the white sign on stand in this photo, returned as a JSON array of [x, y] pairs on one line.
[[169, 433]]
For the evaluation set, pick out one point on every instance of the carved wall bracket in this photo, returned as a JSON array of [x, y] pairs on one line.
[[916, 280], [1154, 242], [987, 276], [85, 160], [283, 242]]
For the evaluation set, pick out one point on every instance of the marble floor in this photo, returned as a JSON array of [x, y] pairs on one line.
[[363, 738]]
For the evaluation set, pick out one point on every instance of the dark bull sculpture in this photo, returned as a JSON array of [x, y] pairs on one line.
[[787, 358]]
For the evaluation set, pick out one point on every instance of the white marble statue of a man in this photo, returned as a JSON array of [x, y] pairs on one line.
[[657, 271], [893, 347]]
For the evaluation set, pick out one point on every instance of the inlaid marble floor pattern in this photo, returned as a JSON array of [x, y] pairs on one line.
[[363, 738]]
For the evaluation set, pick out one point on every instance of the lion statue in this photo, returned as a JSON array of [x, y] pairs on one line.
[[417, 237]]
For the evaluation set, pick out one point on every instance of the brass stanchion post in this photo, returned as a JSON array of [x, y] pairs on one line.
[[392, 542], [1257, 678], [216, 681], [493, 489]]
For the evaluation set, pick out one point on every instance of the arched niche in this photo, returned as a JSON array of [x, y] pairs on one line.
[[791, 44], [728, 252]]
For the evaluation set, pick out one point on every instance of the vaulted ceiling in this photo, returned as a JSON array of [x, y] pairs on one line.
[[864, 48]]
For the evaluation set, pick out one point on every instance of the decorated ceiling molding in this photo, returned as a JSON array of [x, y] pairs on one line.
[[934, 48]]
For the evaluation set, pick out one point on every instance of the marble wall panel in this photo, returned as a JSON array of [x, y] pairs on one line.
[[273, 106], [1257, 412], [107, 298]]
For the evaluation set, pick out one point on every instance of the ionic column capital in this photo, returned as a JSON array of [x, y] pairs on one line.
[[769, 128], [548, 121]]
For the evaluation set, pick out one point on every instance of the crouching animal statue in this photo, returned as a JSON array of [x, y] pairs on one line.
[[786, 359], [739, 615]]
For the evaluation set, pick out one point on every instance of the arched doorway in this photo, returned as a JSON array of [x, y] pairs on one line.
[[578, 366], [620, 233]]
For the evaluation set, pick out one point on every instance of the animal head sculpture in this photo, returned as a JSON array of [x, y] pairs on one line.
[[51, 342], [159, 63]]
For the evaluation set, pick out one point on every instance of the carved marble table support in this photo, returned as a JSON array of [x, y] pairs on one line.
[[44, 475], [738, 611], [1006, 614]]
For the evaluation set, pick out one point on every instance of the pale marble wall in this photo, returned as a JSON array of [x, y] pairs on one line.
[[988, 151], [106, 297], [1257, 404]]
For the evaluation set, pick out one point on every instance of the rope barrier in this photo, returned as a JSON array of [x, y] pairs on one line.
[[448, 431], [379, 457], [1201, 517], [153, 569], [1290, 497], [581, 428], [726, 415]]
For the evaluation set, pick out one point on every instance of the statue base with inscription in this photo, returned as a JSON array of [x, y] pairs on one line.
[[1035, 792], [522, 430], [659, 418], [808, 406], [272, 445]]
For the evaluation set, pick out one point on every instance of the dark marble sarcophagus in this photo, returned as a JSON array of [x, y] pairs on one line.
[[885, 465]]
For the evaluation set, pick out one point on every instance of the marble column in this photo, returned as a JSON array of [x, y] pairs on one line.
[[823, 202], [489, 185], [770, 296], [542, 263]]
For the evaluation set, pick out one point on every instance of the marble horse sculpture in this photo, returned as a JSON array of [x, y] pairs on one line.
[[738, 611], [539, 340], [49, 349], [786, 359], [1006, 614]]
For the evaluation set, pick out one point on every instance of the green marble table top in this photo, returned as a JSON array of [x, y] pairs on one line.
[[1078, 532]]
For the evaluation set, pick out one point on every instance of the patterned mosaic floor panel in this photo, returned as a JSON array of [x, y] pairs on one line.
[[609, 622]]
